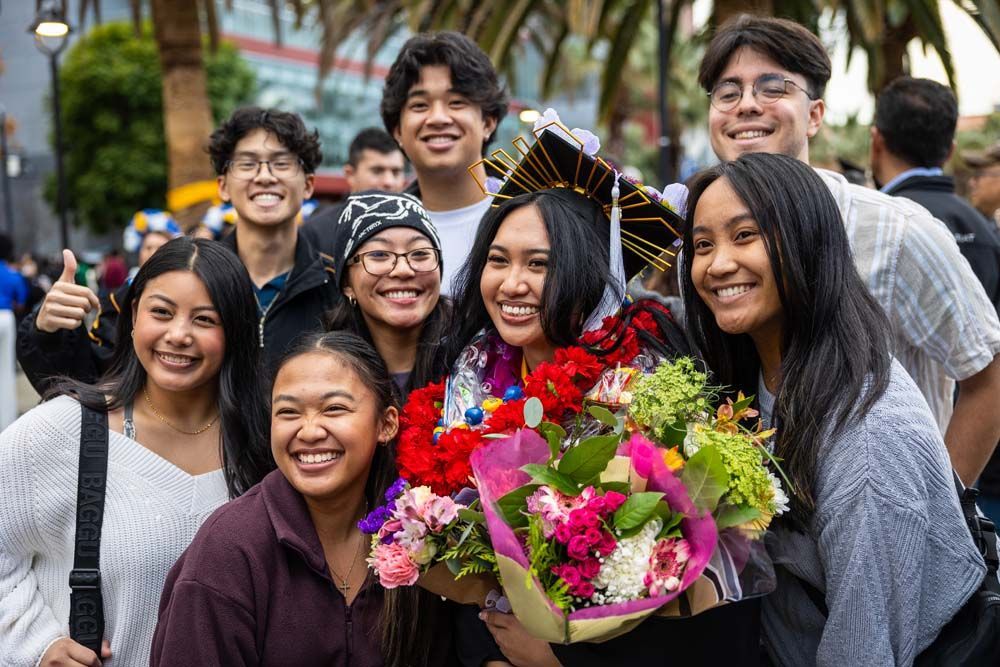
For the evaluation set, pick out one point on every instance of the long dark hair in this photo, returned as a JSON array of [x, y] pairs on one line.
[[243, 418], [578, 272], [408, 620], [835, 356]]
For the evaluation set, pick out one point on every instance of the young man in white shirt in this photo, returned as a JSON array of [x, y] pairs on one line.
[[765, 79], [442, 103]]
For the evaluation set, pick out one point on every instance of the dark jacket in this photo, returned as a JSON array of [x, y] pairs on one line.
[[979, 241], [977, 238], [321, 229], [254, 588], [85, 355]]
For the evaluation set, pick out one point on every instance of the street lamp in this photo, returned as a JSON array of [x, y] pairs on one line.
[[51, 30]]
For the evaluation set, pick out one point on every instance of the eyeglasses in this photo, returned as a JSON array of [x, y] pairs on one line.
[[282, 167], [383, 262], [767, 89]]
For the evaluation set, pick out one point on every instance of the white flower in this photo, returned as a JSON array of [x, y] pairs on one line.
[[675, 197], [589, 141], [691, 445], [780, 498], [622, 572]]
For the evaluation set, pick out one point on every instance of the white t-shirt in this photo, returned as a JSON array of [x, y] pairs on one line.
[[457, 230]]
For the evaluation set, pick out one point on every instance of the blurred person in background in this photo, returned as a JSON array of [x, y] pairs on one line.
[[984, 186], [374, 162], [912, 138], [114, 271], [13, 296]]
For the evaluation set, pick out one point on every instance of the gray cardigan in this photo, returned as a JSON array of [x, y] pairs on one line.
[[888, 544]]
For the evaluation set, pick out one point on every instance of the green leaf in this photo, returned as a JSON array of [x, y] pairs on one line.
[[620, 487], [588, 458], [603, 415], [543, 474], [511, 504], [465, 534], [454, 566], [635, 511], [673, 434], [554, 434], [743, 405], [705, 478], [533, 412], [731, 515], [495, 436], [472, 516]]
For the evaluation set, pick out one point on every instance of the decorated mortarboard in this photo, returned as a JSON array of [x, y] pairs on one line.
[[650, 224], [217, 217], [145, 221]]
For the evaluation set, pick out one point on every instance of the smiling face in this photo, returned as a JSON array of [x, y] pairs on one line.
[[401, 299], [731, 270], [513, 280], [178, 334], [325, 426], [439, 129], [264, 199], [784, 126]]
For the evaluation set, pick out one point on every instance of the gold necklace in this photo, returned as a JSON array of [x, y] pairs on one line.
[[344, 585], [167, 422]]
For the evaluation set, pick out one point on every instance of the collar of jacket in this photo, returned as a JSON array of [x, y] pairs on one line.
[[311, 268], [936, 183]]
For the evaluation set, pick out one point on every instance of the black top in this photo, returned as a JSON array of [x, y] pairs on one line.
[[979, 241], [85, 356]]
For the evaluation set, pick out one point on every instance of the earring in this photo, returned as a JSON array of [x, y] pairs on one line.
[[351, 300]]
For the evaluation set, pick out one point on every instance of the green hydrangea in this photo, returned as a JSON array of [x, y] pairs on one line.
[[749, 483], [674, 392]]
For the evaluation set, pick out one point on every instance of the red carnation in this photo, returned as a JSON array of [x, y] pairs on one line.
[[507, 418], [550, 384], [577, 362]]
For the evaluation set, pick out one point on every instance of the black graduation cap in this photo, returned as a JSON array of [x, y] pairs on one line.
[[557, 159]]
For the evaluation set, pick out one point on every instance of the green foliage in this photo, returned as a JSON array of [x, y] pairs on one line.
[[533, 412], [543, 474], [636, 510], [112, 119], [511, 503], [588, 459], [749, 483], [674, 392], [705, 478], [473, 554], [543, 557]]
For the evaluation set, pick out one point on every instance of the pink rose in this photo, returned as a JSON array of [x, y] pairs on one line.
[[613, 500], [593, 536], [607, 544], [567, 573], [394, 566], [598, 505], [563, 533], [578, 548], [582, 519], [589, 567], [584, 589]]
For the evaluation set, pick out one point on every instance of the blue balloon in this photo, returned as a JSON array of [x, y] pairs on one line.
[[513, 393], [474, 416]]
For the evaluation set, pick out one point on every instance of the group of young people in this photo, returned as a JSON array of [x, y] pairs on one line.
[[253, 388]]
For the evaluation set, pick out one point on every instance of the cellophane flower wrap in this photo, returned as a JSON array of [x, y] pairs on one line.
[[616, 388], [608, 540]]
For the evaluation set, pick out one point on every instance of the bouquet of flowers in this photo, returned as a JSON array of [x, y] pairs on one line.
[[608, 485]]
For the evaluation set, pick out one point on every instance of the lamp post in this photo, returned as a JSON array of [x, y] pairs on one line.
[[51, 31]]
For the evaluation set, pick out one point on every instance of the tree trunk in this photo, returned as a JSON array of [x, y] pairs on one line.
[[892, 56], [187, 114], [723, 10]]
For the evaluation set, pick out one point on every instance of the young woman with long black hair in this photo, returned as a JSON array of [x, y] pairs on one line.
[[540, 266], [388, 259], [775, 305], [186, 432], [278, 577]]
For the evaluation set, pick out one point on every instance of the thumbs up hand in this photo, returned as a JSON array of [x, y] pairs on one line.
[[67, 303]]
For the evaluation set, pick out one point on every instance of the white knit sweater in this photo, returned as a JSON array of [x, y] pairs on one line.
[[152, 511]]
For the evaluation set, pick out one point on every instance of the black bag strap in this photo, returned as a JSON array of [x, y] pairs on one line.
[[984, 535], [86, 610]]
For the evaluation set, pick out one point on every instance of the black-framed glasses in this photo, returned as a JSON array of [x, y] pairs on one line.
[[767, 89], [282, 167], [382, 262]]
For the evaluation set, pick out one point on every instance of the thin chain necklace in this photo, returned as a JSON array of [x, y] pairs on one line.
[[167, 422], [344, 585]]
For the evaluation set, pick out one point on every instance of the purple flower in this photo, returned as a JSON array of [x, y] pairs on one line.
[[493, 184], [393, 491], [373, 522]]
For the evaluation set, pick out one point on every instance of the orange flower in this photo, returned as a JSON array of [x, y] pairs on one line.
[[673, 459]]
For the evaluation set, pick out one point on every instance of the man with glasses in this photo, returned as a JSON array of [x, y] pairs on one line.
[[265, 160]]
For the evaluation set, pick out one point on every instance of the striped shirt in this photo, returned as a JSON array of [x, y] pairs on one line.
[[944, 326]]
